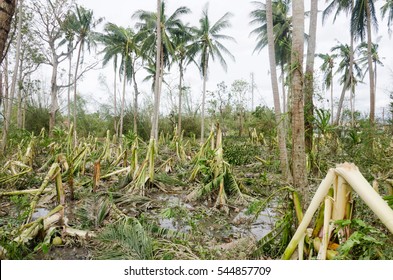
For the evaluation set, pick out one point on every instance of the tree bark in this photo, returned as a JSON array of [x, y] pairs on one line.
[[298, 146], [370, 64], [276, 96], [75, 91], [204, 97], [122, 104], [8, 115], [136, 92], [180, 98], [157, 88], [7, 10], [309, 79]]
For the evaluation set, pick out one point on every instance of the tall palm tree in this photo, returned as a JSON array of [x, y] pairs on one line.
[[348, 74], [327, 70], [362, 49], [120, 41], [208, 46], [264, 15], [158, 42], [282, 30], [343, 6], [362, 19], [111, 51], [183, 56], [86, 37]]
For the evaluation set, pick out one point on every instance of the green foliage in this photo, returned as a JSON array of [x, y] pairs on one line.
[[365, 243], [240, 152], [36, 119]]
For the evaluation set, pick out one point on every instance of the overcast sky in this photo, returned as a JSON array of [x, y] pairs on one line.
[[120, 11]]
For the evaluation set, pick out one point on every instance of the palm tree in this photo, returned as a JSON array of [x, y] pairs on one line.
[[120, 41], [166, 27], [345, 6], [208, 45], [264, 15], [182, 56], [363, 16], [327, 70], [362, 49], [344, 52], [388, 8], [282, 29], [298, 148], [111, 51], [85, 35]]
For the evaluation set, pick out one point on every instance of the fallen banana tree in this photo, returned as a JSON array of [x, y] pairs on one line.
[[333, 197]]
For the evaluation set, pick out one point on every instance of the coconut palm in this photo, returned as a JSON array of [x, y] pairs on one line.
[[182, 55], [327, 70], [282, 27], [362, 19], [162, 40], [343, 51], [264, 15], [208, 46], [83, 27], [120, 42], [363, 58]]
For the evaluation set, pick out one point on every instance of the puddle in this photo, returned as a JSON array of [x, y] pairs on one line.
[[39, 213], [258, 228]]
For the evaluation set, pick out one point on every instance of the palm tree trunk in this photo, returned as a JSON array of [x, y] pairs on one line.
[[276, 96], [370, 64], [136, 92], [13, 82], [122, 104], [154, 129], [309, 79], [332, 101], [341, 101], [69, 87], [204, 97], [351, 62], [20, 97], [115, 104], [75, 89], [180, 97], [298, 146]]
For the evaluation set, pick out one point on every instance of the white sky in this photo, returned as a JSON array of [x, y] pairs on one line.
[[119, 12]]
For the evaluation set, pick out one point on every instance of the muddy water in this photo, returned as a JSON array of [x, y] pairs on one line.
[[236, 226]]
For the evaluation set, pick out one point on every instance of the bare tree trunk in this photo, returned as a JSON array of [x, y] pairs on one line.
[[331, 103], [135, 103], [298, 146], [115, 105], [203, 98], [54, 89], [180, 98], [122, 104], [309, 79], [370, 64], [69, 88], [7, 9], [75, 91], [352, 84], [13, 82], [276, 96], [341, 101], [20, 97], [154, 129]]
